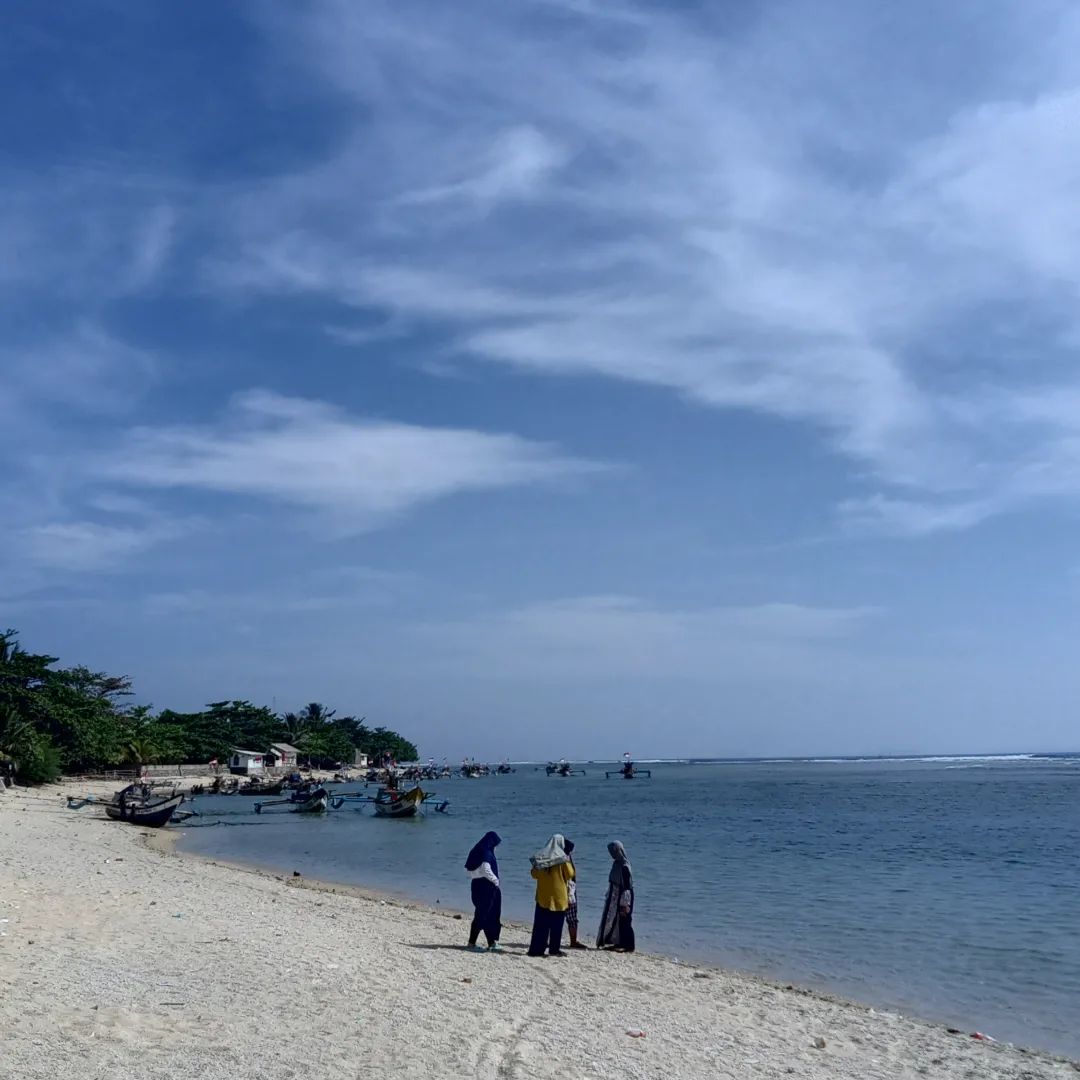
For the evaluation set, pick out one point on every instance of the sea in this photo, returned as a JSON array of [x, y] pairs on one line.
[[945, 888]]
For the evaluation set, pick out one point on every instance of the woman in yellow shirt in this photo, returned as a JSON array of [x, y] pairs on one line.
[[553, 871]]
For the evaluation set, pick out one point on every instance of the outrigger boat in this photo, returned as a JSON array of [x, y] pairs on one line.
[[151, 813], [390, 802], [313, 801], [562, 768], [628, 771], [257, 787], [395, 804]]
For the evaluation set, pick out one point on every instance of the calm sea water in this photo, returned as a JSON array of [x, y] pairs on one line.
[[949, 889]]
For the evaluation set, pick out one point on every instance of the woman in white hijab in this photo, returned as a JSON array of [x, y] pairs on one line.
[[553, 872]]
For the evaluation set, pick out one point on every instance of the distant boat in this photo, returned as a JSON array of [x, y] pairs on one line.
[[562, 768], [314, 800], [262, 788], [152, 815], [629, 771]]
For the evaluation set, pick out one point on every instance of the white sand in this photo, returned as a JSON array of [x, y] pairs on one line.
[[120, 960]]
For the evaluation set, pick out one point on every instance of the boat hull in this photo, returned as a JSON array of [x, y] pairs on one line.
[[317, 804], [149, 815], [405, 805]]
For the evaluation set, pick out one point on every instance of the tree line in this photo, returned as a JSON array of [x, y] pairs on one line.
[[57, 720]]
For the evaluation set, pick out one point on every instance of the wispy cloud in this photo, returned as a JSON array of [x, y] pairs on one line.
[[356, 472], [82, 546], [664, 202], [603, 637], [85, 368]]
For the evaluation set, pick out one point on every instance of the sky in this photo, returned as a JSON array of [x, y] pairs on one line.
[[556, 378]]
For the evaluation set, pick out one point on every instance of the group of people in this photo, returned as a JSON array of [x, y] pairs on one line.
[[555, 874]]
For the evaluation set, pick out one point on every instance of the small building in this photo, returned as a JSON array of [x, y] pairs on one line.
[[246, 762], [281, 756], [360, 760]]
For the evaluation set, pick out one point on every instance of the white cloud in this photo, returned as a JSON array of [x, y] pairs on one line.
[[310, 454], [90, 546], [707, 208], [515, 166], [87, 369]]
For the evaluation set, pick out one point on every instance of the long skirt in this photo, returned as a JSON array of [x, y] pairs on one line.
[[546, 932], [487, 911], [616, 927]]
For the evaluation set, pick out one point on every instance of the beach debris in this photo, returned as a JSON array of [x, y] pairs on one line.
[[981, 1037], [702, 975], [296, 873], [466, 979], [954, 1031], [635, 1033], [458, 917], [819, 1043]]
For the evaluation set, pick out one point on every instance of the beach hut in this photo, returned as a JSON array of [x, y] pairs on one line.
[[360, 761], [245, 762], [282, 756]]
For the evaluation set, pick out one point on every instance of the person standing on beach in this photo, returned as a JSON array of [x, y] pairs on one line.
[[553, 872], [483, 868], [617, 922], [571, 892]]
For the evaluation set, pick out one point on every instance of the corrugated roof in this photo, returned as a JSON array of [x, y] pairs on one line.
[[284, 747]]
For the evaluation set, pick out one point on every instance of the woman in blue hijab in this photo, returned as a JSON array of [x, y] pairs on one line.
[[483, 868]]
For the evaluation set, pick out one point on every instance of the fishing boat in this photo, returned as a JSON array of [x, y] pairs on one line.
[[399, 804], [562, 768], [152, 814], [314, 800], [256, 787], [628, 771]]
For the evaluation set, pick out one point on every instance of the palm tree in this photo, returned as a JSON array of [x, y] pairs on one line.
[[141, 751]]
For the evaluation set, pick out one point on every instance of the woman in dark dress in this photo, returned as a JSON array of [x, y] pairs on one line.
[[617, 922], [483, 868]]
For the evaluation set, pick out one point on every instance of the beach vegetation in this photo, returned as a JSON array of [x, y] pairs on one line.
[[55, 719]]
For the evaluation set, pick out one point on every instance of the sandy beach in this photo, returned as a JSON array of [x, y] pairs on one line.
[[121, 958]]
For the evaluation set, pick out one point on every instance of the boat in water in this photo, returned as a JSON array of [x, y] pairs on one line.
[[399, 804], [562, 768], [260, 787], [629, 771], [312, 800]]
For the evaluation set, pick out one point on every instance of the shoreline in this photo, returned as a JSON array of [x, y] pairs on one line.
[[116, 925]]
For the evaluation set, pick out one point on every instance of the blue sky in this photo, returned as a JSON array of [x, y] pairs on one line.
[[552, 378]]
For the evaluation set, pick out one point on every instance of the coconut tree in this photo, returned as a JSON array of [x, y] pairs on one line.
[[141, 751]]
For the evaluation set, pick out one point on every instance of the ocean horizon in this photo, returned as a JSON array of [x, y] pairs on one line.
[[945, 887]]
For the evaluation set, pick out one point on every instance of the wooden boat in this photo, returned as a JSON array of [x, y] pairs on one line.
[[563, 768], [399, 804], [314, 801], [152, 814], [255, 788], [629, 772]]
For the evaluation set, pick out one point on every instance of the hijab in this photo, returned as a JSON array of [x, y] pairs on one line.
[[484, 852], [618, 854], [552, 854]]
